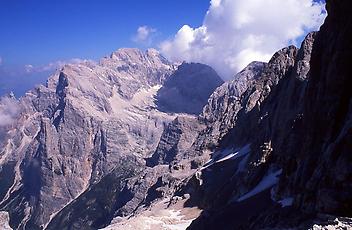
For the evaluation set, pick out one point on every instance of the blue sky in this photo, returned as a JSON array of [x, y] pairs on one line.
[[38, 36], [37, 32]]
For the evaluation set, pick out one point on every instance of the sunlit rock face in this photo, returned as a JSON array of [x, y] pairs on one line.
[[81, 126], [137, 139], [4, 221]]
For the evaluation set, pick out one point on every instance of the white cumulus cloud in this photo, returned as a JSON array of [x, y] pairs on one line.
[[53, 65], [28, 68], [236, 32], [144, 34], [9, 110]]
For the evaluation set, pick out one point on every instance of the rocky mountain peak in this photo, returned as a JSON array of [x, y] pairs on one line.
[[127, 54], [152, 52], [88, 119], [135, 57], [246, 91], [304, 55]]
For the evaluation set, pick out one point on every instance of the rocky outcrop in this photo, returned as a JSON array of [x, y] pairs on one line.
[[135, 69], [97, 205], [116, 196], [242, 97], [176, 140], [226, 101], [4, 221]]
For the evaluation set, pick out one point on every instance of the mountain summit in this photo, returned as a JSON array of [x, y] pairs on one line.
[[89, 119], [136, 141]]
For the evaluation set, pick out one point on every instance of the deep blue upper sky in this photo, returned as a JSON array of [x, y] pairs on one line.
[[38, 32]]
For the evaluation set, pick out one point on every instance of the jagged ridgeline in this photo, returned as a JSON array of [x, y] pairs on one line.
[[93, 125], [136, 141]]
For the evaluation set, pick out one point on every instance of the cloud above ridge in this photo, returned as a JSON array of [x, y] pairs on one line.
[[9, 110], [53, 65], [144, 35], [236, 32]]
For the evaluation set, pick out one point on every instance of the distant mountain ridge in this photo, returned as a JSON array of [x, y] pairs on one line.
[[74, 131], [120, 144]]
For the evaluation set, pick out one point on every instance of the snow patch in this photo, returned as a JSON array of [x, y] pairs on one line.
[[228, 154], [268, 181], [166, 220], [328, 223], [180, 226]]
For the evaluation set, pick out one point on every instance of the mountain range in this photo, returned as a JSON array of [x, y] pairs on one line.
[[136, 141]]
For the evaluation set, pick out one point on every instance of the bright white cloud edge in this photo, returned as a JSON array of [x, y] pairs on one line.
[[237, 32]]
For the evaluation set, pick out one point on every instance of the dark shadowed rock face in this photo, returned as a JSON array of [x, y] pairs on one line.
[[298, 171], [321, 180], [260, 130], [97, 206], [187, 90]]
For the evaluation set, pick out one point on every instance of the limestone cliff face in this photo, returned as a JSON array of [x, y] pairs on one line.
[[244, 94], [224, 104], [76, 129], [88, 120], [178, 137]]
